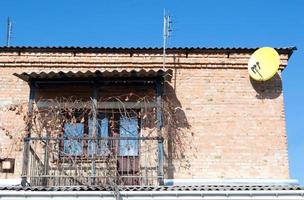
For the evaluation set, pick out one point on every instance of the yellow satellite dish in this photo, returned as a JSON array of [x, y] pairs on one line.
[[263, 64]]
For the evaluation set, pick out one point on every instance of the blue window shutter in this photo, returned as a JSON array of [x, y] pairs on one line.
[[128, 128], [102, 131], [73, 134]]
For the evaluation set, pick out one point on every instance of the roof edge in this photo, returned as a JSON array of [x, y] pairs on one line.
[[151, 50]]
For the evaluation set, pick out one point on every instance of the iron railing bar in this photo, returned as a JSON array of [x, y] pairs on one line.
[[92, 176], [71, 170], [97, 138]]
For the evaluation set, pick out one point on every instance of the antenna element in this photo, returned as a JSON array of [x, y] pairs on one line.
[[9, 31], [166, 35]]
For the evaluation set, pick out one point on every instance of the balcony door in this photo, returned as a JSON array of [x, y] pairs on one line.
[[119, 142], [128, 160], [122, 145]]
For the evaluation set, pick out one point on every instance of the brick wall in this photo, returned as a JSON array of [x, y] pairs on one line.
[[229, 126], [234, 132]]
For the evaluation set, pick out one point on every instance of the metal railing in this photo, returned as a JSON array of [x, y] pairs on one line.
[[93, 161]]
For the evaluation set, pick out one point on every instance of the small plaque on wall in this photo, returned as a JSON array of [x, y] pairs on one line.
[[7, 165]]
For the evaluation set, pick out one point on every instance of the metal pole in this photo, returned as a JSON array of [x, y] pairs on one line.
[[94, 130], [164, 39], [26, 149], [166, 34], [8, 32], [160, 148], [46, 160]]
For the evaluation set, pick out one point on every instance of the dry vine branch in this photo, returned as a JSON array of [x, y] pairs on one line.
[[50, 115]]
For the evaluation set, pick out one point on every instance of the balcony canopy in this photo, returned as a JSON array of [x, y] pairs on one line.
[[98, 75]]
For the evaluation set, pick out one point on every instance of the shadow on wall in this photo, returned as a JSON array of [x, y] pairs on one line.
[[270, 89], [177, 129]]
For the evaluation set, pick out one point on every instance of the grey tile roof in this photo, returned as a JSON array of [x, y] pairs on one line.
[[151, 50], [93, 74], [163, 188]]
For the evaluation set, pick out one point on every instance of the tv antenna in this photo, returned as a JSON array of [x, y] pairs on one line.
[[166, 35], [9, 32]]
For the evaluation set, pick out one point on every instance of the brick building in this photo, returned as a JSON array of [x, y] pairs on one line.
[[207, 119]]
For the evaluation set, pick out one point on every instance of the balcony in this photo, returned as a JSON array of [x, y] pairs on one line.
[[72, 161], [94, 128]]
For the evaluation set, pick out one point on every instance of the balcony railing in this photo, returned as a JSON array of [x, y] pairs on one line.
[[92, 161]]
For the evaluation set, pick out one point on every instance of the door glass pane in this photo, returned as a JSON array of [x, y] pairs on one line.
[[128, 128], [101, 131], [73, 134]]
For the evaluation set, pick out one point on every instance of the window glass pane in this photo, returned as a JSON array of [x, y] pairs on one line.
[[73, 134], [102, 131], [128, 128]]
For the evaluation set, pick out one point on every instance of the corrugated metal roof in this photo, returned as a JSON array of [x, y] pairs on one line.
[[163, 188], [92, 74], [283, 50]]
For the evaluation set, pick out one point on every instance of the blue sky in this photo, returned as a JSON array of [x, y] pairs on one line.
[[208, 23]]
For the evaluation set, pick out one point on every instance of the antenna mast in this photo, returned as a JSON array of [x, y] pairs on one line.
[[9, 31], [166, 34]]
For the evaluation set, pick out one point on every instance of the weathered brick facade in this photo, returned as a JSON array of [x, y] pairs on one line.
[[233, 127]]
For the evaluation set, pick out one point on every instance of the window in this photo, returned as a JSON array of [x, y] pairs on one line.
[[73, 134], [128, 127], [102, 130], [124, 126]]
